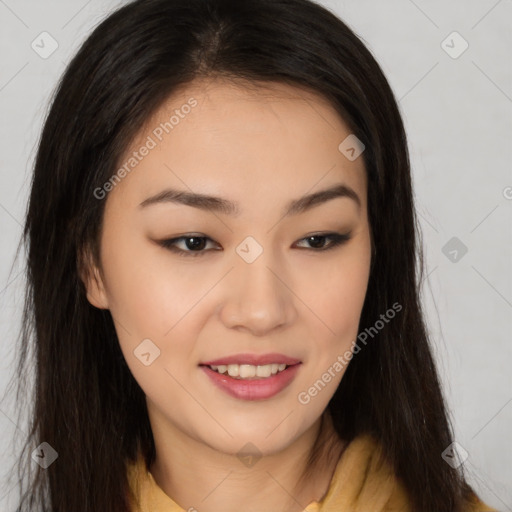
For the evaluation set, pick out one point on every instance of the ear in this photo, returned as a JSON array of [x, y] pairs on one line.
[[93, 281]]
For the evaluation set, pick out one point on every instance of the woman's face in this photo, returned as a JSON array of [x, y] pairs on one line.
[[246, 279]]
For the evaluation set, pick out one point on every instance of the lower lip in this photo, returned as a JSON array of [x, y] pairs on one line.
[[255, 389]]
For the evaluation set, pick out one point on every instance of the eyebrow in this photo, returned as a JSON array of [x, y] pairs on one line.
[[221, 205]]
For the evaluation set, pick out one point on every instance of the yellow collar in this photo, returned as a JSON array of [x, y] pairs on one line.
[[362, 480]]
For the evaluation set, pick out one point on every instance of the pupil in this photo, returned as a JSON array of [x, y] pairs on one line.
[[318, 238], [199, 242]]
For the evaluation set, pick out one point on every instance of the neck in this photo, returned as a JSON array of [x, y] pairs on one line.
[[196, 476]]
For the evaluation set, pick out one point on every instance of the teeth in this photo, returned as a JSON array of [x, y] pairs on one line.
[[233, 370], [248, 371]]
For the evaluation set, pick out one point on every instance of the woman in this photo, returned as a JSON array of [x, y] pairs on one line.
[[222, 276]]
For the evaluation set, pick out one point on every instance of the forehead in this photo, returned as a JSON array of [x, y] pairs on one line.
[[218, 135], [238, 103], [240, 107]]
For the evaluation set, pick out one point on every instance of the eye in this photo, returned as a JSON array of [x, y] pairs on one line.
[[318, 240], [194, 245]]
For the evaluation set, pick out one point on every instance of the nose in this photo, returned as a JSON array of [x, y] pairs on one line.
[[258, 298]]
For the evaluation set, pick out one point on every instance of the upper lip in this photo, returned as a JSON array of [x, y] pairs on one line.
[[253, 359]]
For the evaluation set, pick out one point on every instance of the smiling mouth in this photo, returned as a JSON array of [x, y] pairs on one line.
[[252, 382], [249, 371]]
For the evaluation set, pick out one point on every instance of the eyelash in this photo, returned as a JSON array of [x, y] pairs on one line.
[[337, 240]]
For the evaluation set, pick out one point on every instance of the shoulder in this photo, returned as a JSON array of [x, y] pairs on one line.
[[364, 480], [374, 483]]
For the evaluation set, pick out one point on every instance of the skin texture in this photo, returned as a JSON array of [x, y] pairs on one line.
[[261, 148]]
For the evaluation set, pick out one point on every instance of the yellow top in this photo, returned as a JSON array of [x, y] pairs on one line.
[[359, 484]]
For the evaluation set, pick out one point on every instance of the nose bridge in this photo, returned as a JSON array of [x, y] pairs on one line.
[[257, 298]]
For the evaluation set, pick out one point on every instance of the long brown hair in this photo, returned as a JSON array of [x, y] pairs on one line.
[[86, 403]]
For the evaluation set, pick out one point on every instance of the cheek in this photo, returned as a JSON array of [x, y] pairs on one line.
[[151, 297], [338, 303], [338, 291], [146, 295]]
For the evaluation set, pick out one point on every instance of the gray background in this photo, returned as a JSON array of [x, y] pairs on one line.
[[458, 115]]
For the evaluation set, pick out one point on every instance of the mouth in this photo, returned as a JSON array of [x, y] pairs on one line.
[[251, 382]]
